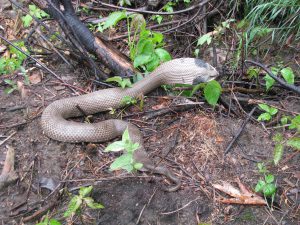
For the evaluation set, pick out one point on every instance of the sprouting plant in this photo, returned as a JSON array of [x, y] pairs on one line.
[[268, 114], [212, 91], [12, 86], [78, 202], [47, 221], [146, 51], [128, 100], [287, 74], [125, 161], [13, 60], [280, 141], [33, 11], [145, 46], [265, 185], [122, 82]]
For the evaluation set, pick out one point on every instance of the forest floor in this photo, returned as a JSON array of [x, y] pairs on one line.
[[191, 143], [194, 140]]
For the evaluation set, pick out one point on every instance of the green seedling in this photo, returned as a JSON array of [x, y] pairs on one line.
[[79, 202], [33, 11], [122, 82], [125, 161], [268, 114]]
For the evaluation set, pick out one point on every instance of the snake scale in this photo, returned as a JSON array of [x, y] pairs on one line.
[[56, 126]]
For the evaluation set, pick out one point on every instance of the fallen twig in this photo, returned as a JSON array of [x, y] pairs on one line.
[[8, 174], [285, 85], [242, 196], [239, 131]]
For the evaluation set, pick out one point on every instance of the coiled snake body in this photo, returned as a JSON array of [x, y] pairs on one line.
[[55, 125]]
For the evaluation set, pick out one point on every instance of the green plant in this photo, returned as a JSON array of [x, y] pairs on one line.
[[122, 82], [33, 11], [212, 91], [13, 60], [281, 142], [128, 100], [146, 51], [125, 161], [145, 46], [282, 16], [265, 185], [12, 86], [268, 114], [46, 221], [78, 202]]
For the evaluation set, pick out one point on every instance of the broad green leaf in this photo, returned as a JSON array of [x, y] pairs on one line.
[[27, 20], [288, 75], [128, 100], [145, 47], [284, 120], [212, 92], [73, 206], [122, 162], [114, 18], [260, 186], [84, 191], [205, 38], [114, 79], [269, 178], [54, 222], [196, 53], [157, 37], [295, 123], [163, 55], [264, 107], [92, 204], [153, 64], [141, 60], [125, 136], [264, 117], [32, 7], [253, 72], [269, 81], [294, 142], [138, 166], [273, 111], [131, 147], [115, 146], [269, 189], [126, 83], [278, 152], [277, 138]]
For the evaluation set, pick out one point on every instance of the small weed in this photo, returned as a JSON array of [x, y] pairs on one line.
[[13, 61], [266, 185], [125, 161], [268, 114], [128, 100], [79, 202], [33, 11], [122, 82], [47, 221]]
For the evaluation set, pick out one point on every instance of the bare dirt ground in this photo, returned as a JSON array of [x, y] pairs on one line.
[[192, 143]]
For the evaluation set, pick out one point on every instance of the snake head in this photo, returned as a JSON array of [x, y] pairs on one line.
[[187, 71], [204, 72]]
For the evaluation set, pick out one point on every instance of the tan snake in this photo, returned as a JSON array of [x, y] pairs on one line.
[[55, 125]]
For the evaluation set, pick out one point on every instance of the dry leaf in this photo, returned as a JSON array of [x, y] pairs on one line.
[[35, 77]]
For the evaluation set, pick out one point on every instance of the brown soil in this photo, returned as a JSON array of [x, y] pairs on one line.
[[191, 143]]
